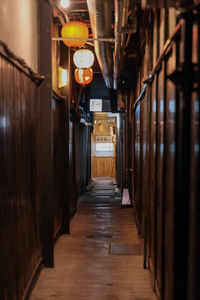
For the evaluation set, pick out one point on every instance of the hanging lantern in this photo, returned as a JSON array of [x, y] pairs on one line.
[[83, 76], [83, 58], [77, 30]]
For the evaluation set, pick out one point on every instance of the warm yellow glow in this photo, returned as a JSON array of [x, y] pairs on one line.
[[83, 76], [83, 58], [77, 30], [62, 77], [64, 3], [100, 128]]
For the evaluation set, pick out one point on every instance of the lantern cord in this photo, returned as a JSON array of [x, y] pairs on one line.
[[110, 40]]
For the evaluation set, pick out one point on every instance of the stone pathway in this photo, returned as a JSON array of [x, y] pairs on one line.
[[101, 258]]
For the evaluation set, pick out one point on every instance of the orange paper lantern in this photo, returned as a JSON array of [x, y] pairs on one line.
[[83, 76], [74, 29]]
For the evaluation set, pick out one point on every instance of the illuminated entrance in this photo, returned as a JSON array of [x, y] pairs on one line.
[[103, 145]]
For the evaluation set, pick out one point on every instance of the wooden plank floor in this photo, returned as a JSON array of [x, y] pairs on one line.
[[101, 258]]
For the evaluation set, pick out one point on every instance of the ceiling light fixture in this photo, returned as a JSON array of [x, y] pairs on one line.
[[64, 3]]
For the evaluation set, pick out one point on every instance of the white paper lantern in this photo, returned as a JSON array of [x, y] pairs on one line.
[[83, 58]]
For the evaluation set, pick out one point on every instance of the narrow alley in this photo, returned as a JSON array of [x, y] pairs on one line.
[[102, 257], [99, 149]]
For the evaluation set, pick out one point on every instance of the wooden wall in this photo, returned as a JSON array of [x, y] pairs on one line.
[[103, 166], [20, 249], [58, 162], [72, 190], [79, 161], [61, 164], [165, 128], [82, 149], [35, 164]]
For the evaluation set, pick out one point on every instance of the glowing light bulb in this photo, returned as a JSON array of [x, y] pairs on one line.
[[64, 3]]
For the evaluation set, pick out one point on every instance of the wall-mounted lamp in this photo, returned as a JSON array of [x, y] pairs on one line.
[[62, 77], [64, 3]]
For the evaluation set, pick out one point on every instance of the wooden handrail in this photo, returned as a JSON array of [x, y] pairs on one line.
[[58, 97], [19, 63], [163, 52], [157, 66], [140, 98]]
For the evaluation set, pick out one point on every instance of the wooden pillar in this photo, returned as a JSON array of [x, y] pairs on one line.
[[46, 136], [66, 92], [126, 141]]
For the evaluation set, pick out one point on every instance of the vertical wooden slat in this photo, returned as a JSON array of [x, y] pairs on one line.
[[137, 167], [173, 167], [184, 138], [58, 162], [46, 131], [71, 168], [159, 179], [65, 61], [20, 237], [169, 179], [194, 207]]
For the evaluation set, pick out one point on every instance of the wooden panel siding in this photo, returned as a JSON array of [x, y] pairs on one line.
[[171, 213], [58, 139], [20, 249], [103, 166], [79, 161]]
